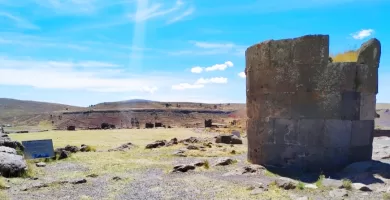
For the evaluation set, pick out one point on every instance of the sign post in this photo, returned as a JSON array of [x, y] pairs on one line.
[[34, 149]]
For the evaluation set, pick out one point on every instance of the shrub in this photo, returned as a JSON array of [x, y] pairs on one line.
[[206, 164], [319, 181], [347, 184], [301, 185]]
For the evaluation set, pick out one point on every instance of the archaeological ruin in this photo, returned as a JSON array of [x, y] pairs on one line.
[[305, 112]]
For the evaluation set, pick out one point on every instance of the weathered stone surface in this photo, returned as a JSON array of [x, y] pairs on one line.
[[337, 133], [7, 150], [362, 132], [361, 187], [367, 106], [12, 165], [303, 110]]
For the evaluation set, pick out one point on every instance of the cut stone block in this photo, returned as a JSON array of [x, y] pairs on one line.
[[311, 132], [367, 79], [367, 106], [261, 131], [314, 158], [350, 106], [335, 158], [337, 133], [311, 49], [316, 105], [360, 153], [336, 77], [362, 132], [286, 131], [274, 105]]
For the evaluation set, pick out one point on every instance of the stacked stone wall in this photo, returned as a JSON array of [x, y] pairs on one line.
[[305, 112]]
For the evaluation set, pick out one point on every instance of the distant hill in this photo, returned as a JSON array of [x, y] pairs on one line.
[[14, 107]]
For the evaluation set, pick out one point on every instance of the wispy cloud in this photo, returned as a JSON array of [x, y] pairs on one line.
[[156, 10], [359, 35], [200, 83], [181, 16], [18, 21], [209, 45], [67, 75], [210, 48], [216, 67], [242, 75]]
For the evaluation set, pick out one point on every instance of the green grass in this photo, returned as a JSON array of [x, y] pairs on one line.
[[269, 174], [386, 196], [3, 184], [301, 185], [347, 184], [206, 164], [319, 181]]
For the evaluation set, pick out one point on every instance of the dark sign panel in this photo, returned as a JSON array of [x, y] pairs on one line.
[[34, 149]]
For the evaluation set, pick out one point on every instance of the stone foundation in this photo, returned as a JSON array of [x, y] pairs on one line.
[[306, 113]]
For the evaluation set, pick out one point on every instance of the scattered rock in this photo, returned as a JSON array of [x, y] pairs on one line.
[[92, 175], [179, 153], [183, 168], [286, 184], [218, 145], [7, 150], [72, 149], [192, 147], [200, 163], [7, 142], [258, 189], [41, 164], [311, 186], [79, 181], [224, 162], [12, 165], [172, 142], [247, 170], [116, 178], [208, 144], [228, 139], [338, 193], [192, 140], [233, 151], [156, 144], [123, 147], [361, 187], [64, 154]]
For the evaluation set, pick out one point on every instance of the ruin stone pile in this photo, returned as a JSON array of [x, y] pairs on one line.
[[305, 112]]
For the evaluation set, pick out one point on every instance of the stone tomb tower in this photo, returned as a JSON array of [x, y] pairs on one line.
[[305, 112]]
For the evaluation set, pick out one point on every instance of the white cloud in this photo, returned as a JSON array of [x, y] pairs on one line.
[[218, 80], [197, 70], [362, 34], [183, 86], [242, 74], [18, 21], [181, 16], [220, 67], [64, 75]]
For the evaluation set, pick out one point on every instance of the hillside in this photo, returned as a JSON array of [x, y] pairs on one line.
[[14, 107]]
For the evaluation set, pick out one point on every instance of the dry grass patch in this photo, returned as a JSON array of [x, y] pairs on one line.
[[348, 56]]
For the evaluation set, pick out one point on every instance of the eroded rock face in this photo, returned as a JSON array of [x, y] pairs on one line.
[[306, 113]]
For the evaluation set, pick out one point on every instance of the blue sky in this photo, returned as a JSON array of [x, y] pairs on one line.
[[83, 52]]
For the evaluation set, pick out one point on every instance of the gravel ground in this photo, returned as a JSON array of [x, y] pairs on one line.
[[156, 183]]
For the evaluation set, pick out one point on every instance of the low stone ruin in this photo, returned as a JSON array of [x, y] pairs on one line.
[[306, 113]]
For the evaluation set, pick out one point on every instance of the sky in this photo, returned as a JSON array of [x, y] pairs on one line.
[[83, 52]]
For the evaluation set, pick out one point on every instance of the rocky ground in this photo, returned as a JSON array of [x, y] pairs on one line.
[[193, 171]]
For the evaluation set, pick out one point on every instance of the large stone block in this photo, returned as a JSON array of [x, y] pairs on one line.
[[286, 156], [316, 105], [309, 76], [314, 158], [360, 153], [350, 105], [274, 105], [286, 132], [261, 131], [367, 79], [362, 132], [311, 132], [337, 133], [370, 53], [311, 49], [335, 158], [367, 106], [336, 77]]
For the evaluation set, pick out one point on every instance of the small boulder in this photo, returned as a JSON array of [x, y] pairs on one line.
[[123, 147], [156, 144], [183, 168], [361, 187], [79, 181], [228, 139], [224, 162], [200, 163], [311, 186], [72, 149], [179, 153], [12, 165], [286, 183], [63, 155], [192, 147], [172, 142], [92, 175], [41, 164], [7, 150], [116, 178]]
